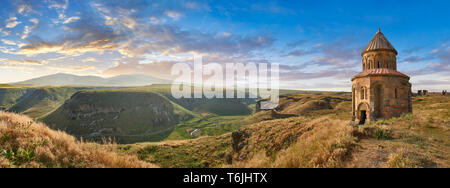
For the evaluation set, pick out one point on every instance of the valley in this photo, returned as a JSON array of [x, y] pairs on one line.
[[125, 114]]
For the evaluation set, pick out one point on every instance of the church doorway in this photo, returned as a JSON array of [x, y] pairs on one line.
[[362, 113], [363, 117]]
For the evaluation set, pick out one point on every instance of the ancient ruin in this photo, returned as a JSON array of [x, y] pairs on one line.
[[380, 91]]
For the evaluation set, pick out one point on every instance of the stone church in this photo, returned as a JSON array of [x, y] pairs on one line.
[[380, 91]]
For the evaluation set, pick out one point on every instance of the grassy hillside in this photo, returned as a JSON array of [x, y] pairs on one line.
[[10, 96], [127, 115], [311, 105], [38, 102], [317, 135], [101, 118], [124, 113], [27, 144], [207, 125]]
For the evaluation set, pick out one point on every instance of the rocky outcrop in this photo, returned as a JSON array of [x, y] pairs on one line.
[[239, 140]]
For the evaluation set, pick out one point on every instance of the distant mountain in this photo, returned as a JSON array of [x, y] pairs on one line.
[[73, 80]]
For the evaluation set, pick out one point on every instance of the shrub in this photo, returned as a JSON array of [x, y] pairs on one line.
[[381, 134]]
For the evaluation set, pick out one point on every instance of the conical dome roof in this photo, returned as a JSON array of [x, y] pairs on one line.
[[379, 42]]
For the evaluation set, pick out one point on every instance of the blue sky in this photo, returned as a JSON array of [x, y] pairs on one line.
[[317, 43]]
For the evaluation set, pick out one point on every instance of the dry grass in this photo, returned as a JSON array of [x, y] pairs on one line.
[[308, 107], [317, 143], [322, 138], [326, 146], [406, 159], [27, 144], [204, 152], [419, 140]]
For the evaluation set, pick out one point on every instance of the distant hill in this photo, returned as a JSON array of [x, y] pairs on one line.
[[73, 80]]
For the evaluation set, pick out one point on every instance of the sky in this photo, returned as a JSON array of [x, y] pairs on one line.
[[318, 44]]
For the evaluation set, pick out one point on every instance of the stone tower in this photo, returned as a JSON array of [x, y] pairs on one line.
[[380, 91]]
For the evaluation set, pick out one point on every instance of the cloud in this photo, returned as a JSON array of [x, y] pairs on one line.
[[24, 8], [74, 68], [292, 74], [342, 53], [296, 43], [27, 30], [413, 49], [90, 59], [443, 61], [71, 19], [9, 42], [271, 7], [82, 36], [22, 62], [59, 4], [12, 22], [168, 39], [123, 27], [431, 82], [82, 68], [173, 14], [159, 69], [197, 6], [415, 58], [300, 53], [26, 61]]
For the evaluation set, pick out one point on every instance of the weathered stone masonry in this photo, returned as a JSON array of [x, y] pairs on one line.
[[380, 91]]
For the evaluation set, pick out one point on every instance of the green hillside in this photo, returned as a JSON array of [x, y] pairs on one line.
[[37, 102], [145, 114], [34, 101], [134, 114], [10, 96]]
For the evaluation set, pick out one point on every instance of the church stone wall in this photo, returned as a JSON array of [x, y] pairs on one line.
[[379, 59], [361, 86], [395, 96]]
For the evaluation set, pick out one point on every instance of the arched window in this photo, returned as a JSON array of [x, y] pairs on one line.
[[379, 65], [395, 93], [363, 93]]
